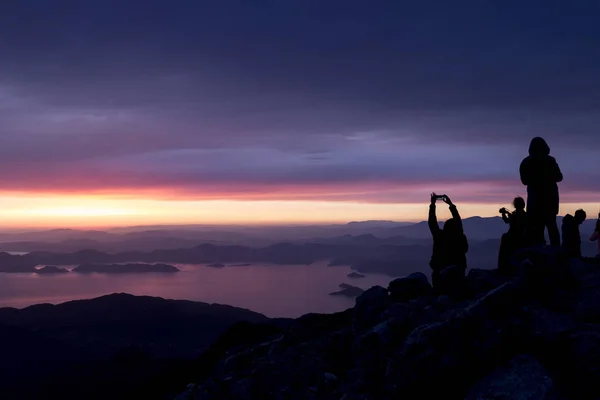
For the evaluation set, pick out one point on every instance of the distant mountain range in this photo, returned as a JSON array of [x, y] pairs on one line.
[[174, 237], [396, 249], [365, 254]]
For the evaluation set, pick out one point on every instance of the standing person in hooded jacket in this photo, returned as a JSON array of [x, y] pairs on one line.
[[540, 173], [450, 244]]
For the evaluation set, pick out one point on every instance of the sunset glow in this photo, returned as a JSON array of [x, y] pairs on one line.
[[358, 115], [65, 211]]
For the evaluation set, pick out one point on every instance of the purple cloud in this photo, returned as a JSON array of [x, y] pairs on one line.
[[339, 101]]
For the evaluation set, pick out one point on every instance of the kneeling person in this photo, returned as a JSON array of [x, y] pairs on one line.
[[571, 239]]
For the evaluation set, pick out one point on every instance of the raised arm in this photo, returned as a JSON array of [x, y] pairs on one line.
[[432, 220], [506, 218], [454, 211], [456, 215]]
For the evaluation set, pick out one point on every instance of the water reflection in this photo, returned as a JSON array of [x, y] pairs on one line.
[[274, 290]]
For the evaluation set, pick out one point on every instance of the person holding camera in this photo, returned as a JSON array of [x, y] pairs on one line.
[[540, 173], [596, 235], [450, 244], [515, 238]]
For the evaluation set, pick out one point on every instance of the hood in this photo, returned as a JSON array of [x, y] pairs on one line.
[[568, 219], [538, 147]]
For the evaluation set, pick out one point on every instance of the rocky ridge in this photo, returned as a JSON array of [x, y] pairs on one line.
[[535, 335]]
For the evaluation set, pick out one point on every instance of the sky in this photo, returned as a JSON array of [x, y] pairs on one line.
[[192, 111]]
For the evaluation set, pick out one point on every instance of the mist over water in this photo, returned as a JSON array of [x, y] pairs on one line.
[[273, 290]]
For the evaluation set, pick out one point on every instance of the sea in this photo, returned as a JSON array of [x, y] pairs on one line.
[[273, 290]]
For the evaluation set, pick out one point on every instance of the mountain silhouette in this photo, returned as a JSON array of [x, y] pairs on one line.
[[106, 343], [534, 335]]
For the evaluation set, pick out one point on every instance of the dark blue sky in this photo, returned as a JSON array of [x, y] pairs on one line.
[[319, 99]]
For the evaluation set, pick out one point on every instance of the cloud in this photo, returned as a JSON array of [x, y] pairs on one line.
[[335, 100]]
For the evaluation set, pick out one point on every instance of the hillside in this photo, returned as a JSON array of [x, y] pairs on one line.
[[534, 336], [112, 342]]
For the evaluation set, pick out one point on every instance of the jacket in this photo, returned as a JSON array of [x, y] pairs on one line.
[[540, 173], [449, 248]]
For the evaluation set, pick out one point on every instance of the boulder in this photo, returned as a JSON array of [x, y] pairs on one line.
[[483, 280], [411, 287], [501, 301], [369, 306], [451, 281], [375, 296], [587, 308], [443, 303], [468, 341], [375, 340], [547, 276], [523, 378], [577, 362], [422, 302], [534, 335], [397, 311]]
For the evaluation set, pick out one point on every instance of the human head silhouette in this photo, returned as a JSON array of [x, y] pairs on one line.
[[519, 203], [451, 226], [580, 216], [538, 147]]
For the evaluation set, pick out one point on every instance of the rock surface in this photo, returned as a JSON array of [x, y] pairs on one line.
[[524, 378], [408, 288], [535, 336]]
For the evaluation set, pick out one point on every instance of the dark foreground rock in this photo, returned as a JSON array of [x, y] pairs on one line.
[[535, 336], [523, 378], [408, 288]]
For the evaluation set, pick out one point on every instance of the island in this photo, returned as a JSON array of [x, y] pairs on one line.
[[216, 265], [17, 269], [341, 261], [49, 269], [355, 275], [125, 268], [348, 291], [240, 265]]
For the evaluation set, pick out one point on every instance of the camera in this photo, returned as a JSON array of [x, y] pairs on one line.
[[440, 196], [503, 210]]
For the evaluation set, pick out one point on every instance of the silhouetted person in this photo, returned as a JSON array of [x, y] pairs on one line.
[[540, 173], [449, 244], [515, 238], [570, 233], [596, 235]]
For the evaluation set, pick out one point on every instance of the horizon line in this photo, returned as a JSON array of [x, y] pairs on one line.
[[224, 224]]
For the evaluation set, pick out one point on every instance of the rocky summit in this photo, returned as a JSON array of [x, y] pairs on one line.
[[533, 335]]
